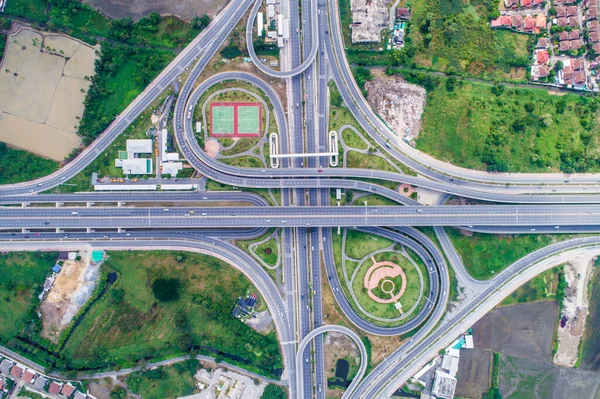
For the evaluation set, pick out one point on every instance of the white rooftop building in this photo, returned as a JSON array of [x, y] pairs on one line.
[[280, 24], [139, 146], [259, 23], [443, 385], [270, 11], [171, 168], [137, 166], [450, 363]]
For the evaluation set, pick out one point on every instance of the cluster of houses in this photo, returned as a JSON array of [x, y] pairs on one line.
[[276, 26], [568, 47], [400, 27], [13, 375]]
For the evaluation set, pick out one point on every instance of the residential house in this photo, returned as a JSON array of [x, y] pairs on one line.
[[543, 43], [2, 385], [526, 3], [596, 48], [577, 64], [561, 12], [517, 22], [528, 23], [579, 79], [573, 21], [67, 390], [566, 75], [540, 71], [592, 13], [540, 22], [572, 11], [40, 383], [574, 34], [593, 25], [29, 376], [562, 21], [54, 388], [595, 36], [576, 44], [5, 366], [16, 371], [565, 45], [403, 13], [79, 395], [541, 57], [559, 2], [511, 3], [564, 35], [591, 3]]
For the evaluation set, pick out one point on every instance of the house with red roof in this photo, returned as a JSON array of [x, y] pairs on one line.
[[596, 48], [561, 12], [29, 376], [541, 56], [543, 42], [562, 22], [595, 36], [592, 13], [511, 3], [67, 390], [517, 22], [16, 371], [576, 44], [54, 388], [528, 23], [565, 45], [571, 11], [526, 3]]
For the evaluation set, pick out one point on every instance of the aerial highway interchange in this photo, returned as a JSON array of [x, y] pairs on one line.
[[203, 222]]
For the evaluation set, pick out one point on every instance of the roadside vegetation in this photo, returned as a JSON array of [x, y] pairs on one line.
[[485, 255], [273, 391], [19, 165], [506, 129], [546, 286], [591, 342], [162, 304], [165, 382]]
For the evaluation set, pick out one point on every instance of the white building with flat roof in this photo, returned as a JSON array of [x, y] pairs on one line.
[[280, 24], [444, 385], [286, 28], [270, 11], [139, 146], [137, 166], [259, 23], [171, 168]]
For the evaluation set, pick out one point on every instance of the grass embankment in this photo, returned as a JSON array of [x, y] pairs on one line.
[[268, 251], [21, 277], [18, 165], [485, 255], [163, 304], [505, 129], [165, 382], [131, 324], [542, 287]]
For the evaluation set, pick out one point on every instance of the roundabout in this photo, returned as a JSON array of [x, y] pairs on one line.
[[381, 278]]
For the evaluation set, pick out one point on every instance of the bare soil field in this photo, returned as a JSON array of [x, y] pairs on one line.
[[136, 9], [575, 310], [525, 330], [591, 343], [526, 378], [399, 103], [473, 373], [73, 286], [42, 89], [373, 17], [482, 332]]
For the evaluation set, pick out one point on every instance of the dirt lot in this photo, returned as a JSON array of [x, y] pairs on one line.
[[136, 9], [591, 344], [525, 330], [473, 372], [526, 378], [575, 310], [42, 94], [400, 104], [482, 332], [73, 286], [373, 16]]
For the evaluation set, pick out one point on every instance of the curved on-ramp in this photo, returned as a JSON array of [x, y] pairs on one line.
[[320, 330]]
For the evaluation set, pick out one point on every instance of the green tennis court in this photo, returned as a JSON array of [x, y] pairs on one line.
[[222, 119], [248, 119]]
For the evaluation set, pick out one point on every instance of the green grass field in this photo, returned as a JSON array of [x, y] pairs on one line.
[[520, 130], [165, 382], [352, 139], [540, 288], [360, 244], [485, 255], [17, 165], [130, 324], [21, 275]]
